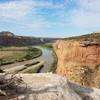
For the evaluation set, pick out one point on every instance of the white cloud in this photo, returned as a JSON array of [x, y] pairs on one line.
[[90, 5], [47, 4], [15, 9], [87, 14], [37, 25], [20, 8], [84, 19]]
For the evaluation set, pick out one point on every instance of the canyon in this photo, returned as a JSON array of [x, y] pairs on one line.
[[77, 74]]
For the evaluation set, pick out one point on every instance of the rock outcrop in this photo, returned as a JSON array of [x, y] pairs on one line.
[[51, 87], [79, 61]]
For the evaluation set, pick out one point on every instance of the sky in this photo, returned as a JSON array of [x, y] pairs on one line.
[[50, 18]]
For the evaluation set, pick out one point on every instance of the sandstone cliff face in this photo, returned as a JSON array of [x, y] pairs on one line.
[[79, 61]]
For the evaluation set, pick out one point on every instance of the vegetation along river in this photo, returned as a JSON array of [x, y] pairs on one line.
[[47, 56]]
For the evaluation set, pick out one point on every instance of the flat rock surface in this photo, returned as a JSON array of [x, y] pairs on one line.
[[48, 86]]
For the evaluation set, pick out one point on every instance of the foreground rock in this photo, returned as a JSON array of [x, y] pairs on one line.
[[79, 61], [51, 87]]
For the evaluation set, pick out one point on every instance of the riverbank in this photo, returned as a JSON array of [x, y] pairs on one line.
[[49, 46], [54, 64], [34, 68], [10, 55], [48, 56]]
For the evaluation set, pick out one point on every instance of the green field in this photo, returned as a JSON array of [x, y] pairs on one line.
[[18, 54], [47, 46]]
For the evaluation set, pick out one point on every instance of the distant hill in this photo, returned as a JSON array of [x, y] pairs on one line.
[[6, 33], [10, 39], [93, 37]]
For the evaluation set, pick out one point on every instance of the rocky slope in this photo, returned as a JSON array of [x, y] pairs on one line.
[[50, 87], [79, 61], [10, 39], [88, 37]]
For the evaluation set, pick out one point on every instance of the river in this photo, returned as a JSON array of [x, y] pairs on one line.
[[47, 57]]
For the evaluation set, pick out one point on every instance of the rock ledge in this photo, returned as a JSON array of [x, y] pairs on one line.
[[48, 86]]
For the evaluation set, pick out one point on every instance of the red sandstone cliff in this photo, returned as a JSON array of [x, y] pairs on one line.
[[79, 61]]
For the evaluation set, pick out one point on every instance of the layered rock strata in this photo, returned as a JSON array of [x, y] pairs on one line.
[[79, 61]]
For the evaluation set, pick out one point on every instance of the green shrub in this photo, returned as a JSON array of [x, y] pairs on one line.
[[32, 53]]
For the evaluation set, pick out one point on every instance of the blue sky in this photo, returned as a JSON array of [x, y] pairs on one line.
[[50, 18]]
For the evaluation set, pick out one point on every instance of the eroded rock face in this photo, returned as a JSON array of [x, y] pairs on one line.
[[52, 87], [79, 61]]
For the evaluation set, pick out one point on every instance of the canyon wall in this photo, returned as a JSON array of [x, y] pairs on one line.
[[10, 39], [79, 61]]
